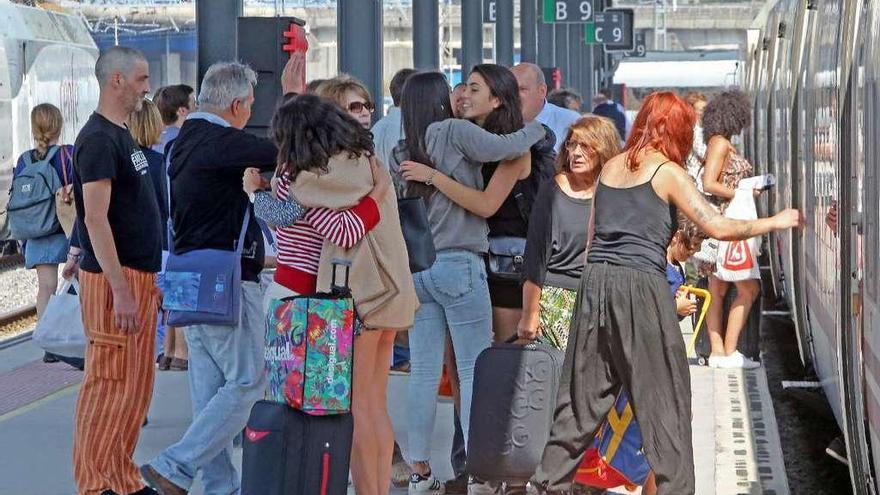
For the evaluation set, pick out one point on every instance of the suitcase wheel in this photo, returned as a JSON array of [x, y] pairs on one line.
[[702, 361]]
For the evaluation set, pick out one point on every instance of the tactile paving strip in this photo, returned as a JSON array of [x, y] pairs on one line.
[[32, 382]]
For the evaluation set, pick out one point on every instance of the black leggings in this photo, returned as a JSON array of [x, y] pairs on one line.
[[624, 332]]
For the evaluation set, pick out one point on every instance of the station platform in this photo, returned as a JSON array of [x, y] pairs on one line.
[[736, 442]]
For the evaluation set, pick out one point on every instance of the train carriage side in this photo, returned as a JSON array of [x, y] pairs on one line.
[[45, 57], [862, 232]]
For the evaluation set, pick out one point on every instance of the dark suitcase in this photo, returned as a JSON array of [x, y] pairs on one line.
[[749, 343], [288, 452], [512, 409]]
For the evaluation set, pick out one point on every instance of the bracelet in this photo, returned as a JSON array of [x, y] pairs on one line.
[[430, 180]]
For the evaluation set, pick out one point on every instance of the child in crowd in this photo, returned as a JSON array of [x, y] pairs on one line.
[[684, 244]]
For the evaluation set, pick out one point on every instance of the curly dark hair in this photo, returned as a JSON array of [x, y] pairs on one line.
[[308, 130], [727, 115]]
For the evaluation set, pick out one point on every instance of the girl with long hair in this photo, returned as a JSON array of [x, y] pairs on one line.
[[454, 294], [625, 333], [325, 164], [491, 100], [45, 253]]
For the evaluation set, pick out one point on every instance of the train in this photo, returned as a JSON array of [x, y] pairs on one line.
[[813, 71], [45, 57]]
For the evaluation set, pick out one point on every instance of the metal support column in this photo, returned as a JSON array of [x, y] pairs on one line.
[[504, 33], [546, 45], [217, 32], [588, 82], [471, 35], [426, 34], [576, 48], [528, 31], [360, 43], [561, 43]]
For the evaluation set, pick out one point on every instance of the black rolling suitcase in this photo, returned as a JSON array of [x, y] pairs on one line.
[[749, 343], [512, 409], [288, 452]]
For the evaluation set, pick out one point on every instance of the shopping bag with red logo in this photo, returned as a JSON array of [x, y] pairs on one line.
[[738, 260]]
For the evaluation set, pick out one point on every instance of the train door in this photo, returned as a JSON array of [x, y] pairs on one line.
[[821, 253], [864, 227]]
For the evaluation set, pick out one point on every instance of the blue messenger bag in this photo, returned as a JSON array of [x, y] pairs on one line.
[[203, 286]]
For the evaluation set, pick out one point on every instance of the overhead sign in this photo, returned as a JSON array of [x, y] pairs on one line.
[[567, 11], [639, 48], [490, 10], [612, 28]]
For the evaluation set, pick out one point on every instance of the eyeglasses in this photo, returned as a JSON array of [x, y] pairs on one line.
[[359, 106], [571, 145]]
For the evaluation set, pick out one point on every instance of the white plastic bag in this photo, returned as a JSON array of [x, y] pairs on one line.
[[738, 260], [60, 329]]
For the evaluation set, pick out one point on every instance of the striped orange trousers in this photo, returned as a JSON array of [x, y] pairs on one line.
[[117, 386]]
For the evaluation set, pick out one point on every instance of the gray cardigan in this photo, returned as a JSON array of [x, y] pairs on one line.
[[458, 149]]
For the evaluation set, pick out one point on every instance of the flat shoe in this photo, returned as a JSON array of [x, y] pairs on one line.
[[178, 364]]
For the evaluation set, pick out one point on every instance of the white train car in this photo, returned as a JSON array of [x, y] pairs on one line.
[[45, 57], [815, 79]]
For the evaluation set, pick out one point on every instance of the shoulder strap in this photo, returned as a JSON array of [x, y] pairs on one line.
[[169, 228], [50, 153], [658, 169], [64, 177]]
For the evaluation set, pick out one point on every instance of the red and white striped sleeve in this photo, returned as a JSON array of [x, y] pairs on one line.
[[345, 228]]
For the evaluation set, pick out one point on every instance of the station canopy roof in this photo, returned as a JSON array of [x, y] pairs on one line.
[[683, 69]]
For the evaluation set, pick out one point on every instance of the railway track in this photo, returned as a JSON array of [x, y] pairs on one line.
[[11, 261], [17, 326]]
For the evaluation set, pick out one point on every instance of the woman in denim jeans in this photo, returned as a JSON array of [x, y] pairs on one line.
[[454, 294]]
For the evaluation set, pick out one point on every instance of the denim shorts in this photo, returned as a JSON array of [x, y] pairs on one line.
[[48, 250]]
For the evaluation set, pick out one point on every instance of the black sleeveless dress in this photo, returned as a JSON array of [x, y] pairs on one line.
[[625, 332]]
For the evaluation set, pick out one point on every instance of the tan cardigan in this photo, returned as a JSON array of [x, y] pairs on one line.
[[381, 283]]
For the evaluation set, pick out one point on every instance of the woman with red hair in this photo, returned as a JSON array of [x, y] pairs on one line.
[[624, 331]]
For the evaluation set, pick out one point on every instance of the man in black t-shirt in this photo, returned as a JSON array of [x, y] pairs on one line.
[[119, 233]]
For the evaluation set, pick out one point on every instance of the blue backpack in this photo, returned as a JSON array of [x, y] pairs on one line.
[[31, 208]]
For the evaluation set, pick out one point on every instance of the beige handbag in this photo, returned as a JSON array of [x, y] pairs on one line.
[[65, 209]]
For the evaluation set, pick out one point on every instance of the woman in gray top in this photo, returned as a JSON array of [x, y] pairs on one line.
[[454, 294]]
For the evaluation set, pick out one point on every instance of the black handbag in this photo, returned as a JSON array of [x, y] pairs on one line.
[[506, 258], [416, 233]]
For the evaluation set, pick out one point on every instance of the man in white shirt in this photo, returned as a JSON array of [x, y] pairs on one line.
[[389, 130], [533, 94]]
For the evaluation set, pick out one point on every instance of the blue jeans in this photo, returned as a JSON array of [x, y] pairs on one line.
[[226, 379], [454, 296]]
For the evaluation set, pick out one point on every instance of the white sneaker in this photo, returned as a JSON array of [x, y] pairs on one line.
[[480, 487], [716, 361], [734, 361], [737, 360], [430, 485]]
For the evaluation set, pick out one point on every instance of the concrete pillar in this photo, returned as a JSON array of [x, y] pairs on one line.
[[561, 43], [504, 33], [471, 35], [546, 49], [528, 30], [217, 32], [360, 44], [575, 49], [425, 33]]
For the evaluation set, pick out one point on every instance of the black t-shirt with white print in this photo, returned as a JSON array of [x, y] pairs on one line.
[[104, 150]]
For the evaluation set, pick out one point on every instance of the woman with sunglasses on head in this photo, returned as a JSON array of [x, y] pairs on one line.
[[557, 238], [350, 95], [625, 333], [453, 292], [491, 100]]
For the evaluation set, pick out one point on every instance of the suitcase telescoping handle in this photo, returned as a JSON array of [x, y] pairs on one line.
[[337, 262], [707, 301]]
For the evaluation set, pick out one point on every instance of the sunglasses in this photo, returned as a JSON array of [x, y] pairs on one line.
[[359, 106], [572, 145]]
